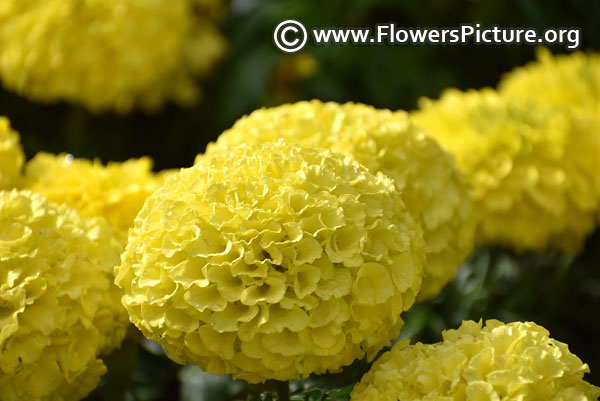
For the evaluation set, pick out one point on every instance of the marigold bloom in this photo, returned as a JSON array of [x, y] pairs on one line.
[[106, 54], [508, 362], [60, 308], [272, 262], [433, 188], [116, 191], [571, 80], [11, 156], [533, 167]]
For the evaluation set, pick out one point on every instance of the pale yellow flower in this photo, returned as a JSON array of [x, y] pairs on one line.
[[60, 308], [534, 168], [570, 80], [434, 190], [499, 362], [272, 262], [105, 54], [116, 191], [11, 156]]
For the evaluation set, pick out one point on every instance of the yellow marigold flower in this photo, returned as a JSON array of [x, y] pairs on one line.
[[533, 167], [571, 80], [60, 308], [434, 190], [499, 362], [64, 50], [11, 156], [163, 175], [272, 262], [116, 191]]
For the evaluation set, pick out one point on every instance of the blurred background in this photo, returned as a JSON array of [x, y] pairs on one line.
[[254, 73], [558, 292]]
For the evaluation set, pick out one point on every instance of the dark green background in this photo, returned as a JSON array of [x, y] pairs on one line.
[[557, 292]]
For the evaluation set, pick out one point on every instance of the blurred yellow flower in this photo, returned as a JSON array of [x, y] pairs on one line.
[[500, 362], [571, 80], [60, 308], [433, 189], [293, 69], [107, 55], [272, 262], [11, 156], [116, 191], [534, 168]]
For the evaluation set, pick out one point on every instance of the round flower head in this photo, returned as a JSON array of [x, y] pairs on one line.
[[272, 262], [11, 156], [433, 189], [116, 191], [106, 54], [570, 80], [60, 308], [499, 362], [533, 167]]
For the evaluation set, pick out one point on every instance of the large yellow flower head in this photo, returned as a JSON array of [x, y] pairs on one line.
[[106, 54], [533, 167], [433, 189], [60, 308], [116, 191], [271, 262], [499, 362], [571, 80], [11, 156]]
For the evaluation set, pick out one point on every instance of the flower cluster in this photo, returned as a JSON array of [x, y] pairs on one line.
[[60, 309], [271, 262], [11, 156], [433, 189], [62, 49], [508, 362], [533, 167], [116, 191], [572, 81]]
